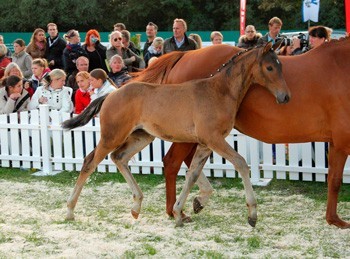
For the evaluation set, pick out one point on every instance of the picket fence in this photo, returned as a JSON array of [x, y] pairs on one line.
[[36, 140]]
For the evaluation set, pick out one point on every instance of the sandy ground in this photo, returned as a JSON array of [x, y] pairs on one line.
[[32, 225]]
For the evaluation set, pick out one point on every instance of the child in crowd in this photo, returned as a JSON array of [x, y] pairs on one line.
[[13, 98], [53, 93], [82, 95]]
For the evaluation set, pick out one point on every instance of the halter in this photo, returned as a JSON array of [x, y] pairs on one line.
[[230, 61]]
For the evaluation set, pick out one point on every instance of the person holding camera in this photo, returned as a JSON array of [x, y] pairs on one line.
[[96, 52], [12, 69]]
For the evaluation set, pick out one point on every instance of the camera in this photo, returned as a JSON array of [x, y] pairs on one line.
[[303, 41]]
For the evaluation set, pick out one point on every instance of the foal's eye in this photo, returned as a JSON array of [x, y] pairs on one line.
[[269, 68]]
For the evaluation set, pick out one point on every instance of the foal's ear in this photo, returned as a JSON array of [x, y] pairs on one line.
[[267, 47]]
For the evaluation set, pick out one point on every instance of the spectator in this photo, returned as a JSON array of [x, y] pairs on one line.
[[275, 26], [119, 72], [100, 83], [54, 47], [155, 50], [128, 43], [131, 60], [22, 58], [4, 60], [82, 97], [37, 45], [13, 98], [8, 54], [179, 41], [151, 60], [197, 38], [82, 64], [40, 70], [151, 33], [53, 93], [96, 52], [216, 37], [72, 51], [250, 38], [119, 26], [13, 69]]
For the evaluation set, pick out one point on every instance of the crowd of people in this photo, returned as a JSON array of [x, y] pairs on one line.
[[68, 74]]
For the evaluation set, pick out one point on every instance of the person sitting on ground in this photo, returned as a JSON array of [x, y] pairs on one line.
[[83, 94], [53, 92], [40, 70], [100, 83], [197, 38], [155, 50], [131, 60], [22, 58], [95, 50], [13, 98], [13, 69], [250, 38], [4, 60], [119, 72], [216, 37], [37, 45]]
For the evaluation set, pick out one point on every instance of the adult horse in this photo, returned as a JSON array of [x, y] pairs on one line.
[[319, 110], [179, 112]]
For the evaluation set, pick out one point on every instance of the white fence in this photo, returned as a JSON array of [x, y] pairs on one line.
[[36, 140]]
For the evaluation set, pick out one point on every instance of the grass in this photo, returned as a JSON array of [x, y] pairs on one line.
[[291, 220]]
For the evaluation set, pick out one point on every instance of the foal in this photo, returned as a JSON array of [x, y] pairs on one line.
[[200, 111]]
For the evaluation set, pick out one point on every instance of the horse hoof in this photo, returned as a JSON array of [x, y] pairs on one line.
[[179, 224], [186, 219], [252, 222], [69, 218], [135, 214], [197, 206]]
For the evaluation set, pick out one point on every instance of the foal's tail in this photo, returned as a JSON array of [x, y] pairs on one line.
[[84, 117]]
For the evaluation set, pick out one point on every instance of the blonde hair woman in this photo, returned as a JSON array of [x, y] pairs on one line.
[[155, 50], [216, 37], [53, 93], [82, 96]]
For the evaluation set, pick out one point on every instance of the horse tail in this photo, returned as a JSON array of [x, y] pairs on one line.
[[84, 117], [158, 72]]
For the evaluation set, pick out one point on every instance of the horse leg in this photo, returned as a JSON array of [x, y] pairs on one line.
[[221, 147], [172, 162], [337, 159], [200, 157], [121, 156], [90, 163]]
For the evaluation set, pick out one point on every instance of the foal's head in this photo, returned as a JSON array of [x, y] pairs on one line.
[[267, 72]]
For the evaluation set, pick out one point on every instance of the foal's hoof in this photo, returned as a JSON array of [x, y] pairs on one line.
[[135, 214], [186, 219], [252, 222], [197, 206]]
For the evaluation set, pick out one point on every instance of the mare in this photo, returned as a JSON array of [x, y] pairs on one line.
[[179, 112], [319, 110]]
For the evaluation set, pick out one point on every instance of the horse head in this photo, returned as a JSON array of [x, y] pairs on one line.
[[268, 73]]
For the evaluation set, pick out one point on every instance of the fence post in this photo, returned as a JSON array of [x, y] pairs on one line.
[[255, 164], [45, 140]]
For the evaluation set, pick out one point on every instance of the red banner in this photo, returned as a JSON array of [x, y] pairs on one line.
[[242, 17], [347, 15]]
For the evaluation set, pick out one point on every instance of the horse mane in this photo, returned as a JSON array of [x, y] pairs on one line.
[[160, 69]]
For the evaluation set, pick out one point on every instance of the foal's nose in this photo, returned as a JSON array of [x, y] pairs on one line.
[[283, 98]]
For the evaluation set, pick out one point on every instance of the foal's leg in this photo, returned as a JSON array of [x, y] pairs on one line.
[[90, 163], [220, 146], [121, 156], [200, 157], [337, 159]]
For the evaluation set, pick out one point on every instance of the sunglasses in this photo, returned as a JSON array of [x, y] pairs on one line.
[[115, 39]]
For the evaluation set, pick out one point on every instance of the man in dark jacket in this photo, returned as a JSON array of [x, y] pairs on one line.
[[54, 47], [179, 41]]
